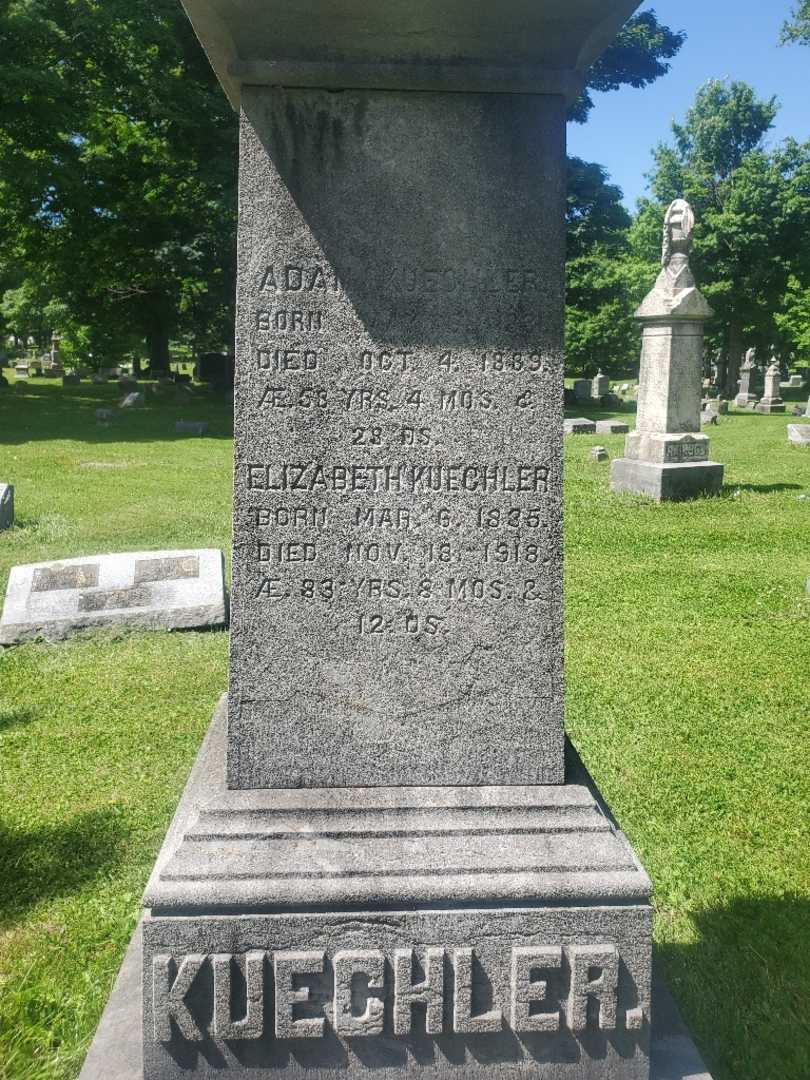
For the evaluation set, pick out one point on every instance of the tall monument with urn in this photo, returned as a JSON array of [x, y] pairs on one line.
[[667, 455], [381, 866]]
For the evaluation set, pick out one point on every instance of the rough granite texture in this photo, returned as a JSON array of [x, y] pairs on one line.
[[150, 589], [611, 427], [343, 884], [397, 584], [666, 483], [579, 426], [6, 506]]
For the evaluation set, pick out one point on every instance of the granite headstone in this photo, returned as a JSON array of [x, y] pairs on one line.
[[380, 867], [771, 402]]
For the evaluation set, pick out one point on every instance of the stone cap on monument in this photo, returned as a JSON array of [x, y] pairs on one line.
[[514, 46]]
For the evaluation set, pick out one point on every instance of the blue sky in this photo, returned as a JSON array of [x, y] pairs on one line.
[[735, 39]]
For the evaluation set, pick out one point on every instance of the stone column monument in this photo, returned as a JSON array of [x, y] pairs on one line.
[[771, 402], [746, 399], [666, 456], [380, 866]]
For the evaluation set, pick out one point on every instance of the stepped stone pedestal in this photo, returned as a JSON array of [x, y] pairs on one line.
[[381, 866], [666, 457]]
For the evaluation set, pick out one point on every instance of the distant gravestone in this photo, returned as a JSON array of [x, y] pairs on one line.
[[6, 506], [71, 378], [795, 382], [611, 427], [624, 388], [707, 417], [104, 416], [21, 369], [771, 401], [191, 427], [745, 397], [599, 453], [807, 410], [600, 386], [582, 389], [132, 401], [147, 589], [579, 426], [666, 456], [799, 434], [97, 379]]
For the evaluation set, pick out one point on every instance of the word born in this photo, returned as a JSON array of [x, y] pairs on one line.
[[363, 1002]]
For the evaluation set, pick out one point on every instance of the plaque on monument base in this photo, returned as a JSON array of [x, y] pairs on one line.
[[394, 932], [769, 406], [666, 482]]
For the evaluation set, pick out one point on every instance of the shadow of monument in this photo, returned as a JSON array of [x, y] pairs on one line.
[[16, 716], [759, 489], [54, 860], [744, 987]]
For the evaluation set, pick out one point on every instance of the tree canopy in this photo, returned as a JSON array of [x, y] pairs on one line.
[[797, 28], [752, 207], [118, 169]]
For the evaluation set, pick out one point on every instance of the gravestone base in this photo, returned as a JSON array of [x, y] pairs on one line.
[[460, 931], [745, 401], [768, 407], [666, 483]]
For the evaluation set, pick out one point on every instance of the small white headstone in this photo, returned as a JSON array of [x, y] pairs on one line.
[[133, 401], [156, 590], [799, 434]]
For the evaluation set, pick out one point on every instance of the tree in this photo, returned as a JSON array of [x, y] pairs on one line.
[[117, 165], [797, 28], [604, 282], [637, 57], [752, 208]]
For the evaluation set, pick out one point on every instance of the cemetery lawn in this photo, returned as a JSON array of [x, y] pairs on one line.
[[688, 658]]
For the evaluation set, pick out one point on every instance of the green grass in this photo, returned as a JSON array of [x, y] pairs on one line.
[[688, 652]]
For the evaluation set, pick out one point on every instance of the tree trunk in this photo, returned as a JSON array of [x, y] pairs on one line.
[[157, 346], [735, 356]]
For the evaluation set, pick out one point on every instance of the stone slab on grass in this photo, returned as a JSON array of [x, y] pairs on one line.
[[579, 426], [798, 434], [611, 427], [157, 590]]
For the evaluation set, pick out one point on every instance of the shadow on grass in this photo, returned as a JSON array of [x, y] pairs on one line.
[[56, 860], [760, 489], [745, 987], [52, 412], [15, 717]]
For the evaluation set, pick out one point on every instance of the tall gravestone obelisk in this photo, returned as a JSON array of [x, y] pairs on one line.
[[379, 869]]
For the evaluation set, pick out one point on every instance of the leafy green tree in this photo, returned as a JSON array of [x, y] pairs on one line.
[[117, 167], [797, 28], [752, 207], [604, 281]]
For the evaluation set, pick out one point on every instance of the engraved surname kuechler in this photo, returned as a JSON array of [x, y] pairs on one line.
[[550, 987], [397, 477]]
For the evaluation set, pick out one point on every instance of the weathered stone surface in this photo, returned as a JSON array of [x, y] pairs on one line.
[[579, 426], [771, 402], [600, 386], [707, 417], [799, 434], [599, 453], [117, 1049], [6, 506], [257, 863], [666, 442], [582, 389], [666, 483], [611, 427], [191, 427], [150, 589], [397, 449], [133, 401]]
